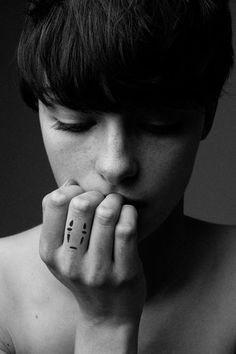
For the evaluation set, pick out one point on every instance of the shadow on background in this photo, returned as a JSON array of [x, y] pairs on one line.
[[25, 172]]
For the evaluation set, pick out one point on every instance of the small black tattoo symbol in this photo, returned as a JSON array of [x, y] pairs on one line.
[[68, 237], [74, 248], [81, 241], [70, 224], [84, 228]]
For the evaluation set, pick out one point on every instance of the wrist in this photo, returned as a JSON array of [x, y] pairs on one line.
[[107, 338]]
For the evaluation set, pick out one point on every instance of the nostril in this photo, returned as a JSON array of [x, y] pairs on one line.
[[117, 170]]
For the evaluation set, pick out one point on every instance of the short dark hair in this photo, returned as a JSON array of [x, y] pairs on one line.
[[102, 54]]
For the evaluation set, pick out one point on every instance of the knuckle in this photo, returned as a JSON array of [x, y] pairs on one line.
[[114, 197], [122, 280], [96, 280], [57, 198], [105, 215], [69, 271], [125, 232], [96, 195], [128, 277], [98, 276], [44, 201], [81, 204]]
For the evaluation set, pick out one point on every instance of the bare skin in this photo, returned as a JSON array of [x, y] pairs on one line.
[[105, 273], [196, 315]]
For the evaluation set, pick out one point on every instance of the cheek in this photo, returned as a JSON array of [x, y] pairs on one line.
[[170, 168], [68, 158], [178, 164], [171, 161]]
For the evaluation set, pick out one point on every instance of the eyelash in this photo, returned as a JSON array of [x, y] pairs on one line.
[[152, 129], [74, 128], [162, 129]]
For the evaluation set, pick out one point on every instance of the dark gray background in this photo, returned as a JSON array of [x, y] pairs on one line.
[[25, 172]]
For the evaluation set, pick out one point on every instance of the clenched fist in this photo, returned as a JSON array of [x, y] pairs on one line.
[[89, 242]]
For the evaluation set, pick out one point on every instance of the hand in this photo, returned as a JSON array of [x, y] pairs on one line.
[[89, 242]]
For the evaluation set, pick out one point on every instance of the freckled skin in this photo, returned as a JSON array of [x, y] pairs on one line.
[[191, 313], [107, 158]]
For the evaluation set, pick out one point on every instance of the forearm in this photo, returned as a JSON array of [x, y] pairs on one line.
[[106, 339]]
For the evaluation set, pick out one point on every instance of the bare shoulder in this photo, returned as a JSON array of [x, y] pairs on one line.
[[14, 258], [217, 251], [19, 257], [208, 231], [207, 225], [18, 250], [217, 242]]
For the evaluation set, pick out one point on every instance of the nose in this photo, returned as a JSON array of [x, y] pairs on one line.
[[116, 161]]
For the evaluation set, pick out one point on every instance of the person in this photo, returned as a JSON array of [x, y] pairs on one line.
[[125, 91]]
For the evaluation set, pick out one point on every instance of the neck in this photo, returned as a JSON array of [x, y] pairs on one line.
[[162, 253]]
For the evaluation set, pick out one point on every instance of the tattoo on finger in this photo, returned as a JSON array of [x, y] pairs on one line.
[[84, 231], [70, 229]]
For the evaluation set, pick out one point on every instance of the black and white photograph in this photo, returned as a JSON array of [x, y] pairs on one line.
[[118, 177]]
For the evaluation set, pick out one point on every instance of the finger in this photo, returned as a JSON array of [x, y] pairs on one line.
[[68, 182], [125, 243], [54, 218], [79, 221], [100, 250]]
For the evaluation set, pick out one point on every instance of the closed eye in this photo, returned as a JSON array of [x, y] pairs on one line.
[[74, 128], [149, 126], [159, 129]]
